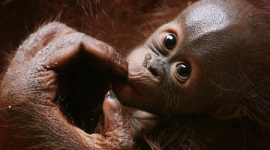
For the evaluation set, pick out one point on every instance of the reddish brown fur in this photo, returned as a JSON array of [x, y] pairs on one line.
[[30, 119], [99, 19], [119, 27]]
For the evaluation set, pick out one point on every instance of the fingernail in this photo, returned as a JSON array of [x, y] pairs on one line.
[[111, 95]]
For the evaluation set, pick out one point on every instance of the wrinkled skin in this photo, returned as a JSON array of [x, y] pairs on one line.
[[30, 118], [220, 102]]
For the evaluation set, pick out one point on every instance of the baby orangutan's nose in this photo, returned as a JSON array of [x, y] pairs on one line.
[[156, 67]]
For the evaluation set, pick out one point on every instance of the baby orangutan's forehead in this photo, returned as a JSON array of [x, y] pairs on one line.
[[210, 22], [205, 18]]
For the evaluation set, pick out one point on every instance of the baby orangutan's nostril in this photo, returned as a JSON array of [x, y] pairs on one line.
[[153, 71]]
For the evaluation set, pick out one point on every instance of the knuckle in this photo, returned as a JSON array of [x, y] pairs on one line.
[[52, 31], [55, 27]]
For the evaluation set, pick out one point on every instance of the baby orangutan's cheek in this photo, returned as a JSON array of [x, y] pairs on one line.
[[138, 74], [136, 97]]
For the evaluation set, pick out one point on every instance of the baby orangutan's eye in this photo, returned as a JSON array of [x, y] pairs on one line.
[[183, 70], [170, 41]]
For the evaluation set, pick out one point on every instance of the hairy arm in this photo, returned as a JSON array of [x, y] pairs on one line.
[[29, 119]]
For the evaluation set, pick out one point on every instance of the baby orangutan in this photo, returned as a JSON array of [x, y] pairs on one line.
[[206, 74]]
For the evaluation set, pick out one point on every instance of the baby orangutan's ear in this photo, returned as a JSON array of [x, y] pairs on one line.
[[230, 111]]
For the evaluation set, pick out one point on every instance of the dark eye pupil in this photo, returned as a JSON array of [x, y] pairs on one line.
[[183, 71], [170, 41]]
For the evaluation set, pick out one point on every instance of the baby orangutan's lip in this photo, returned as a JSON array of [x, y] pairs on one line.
[[154, 64], [148, 57]]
